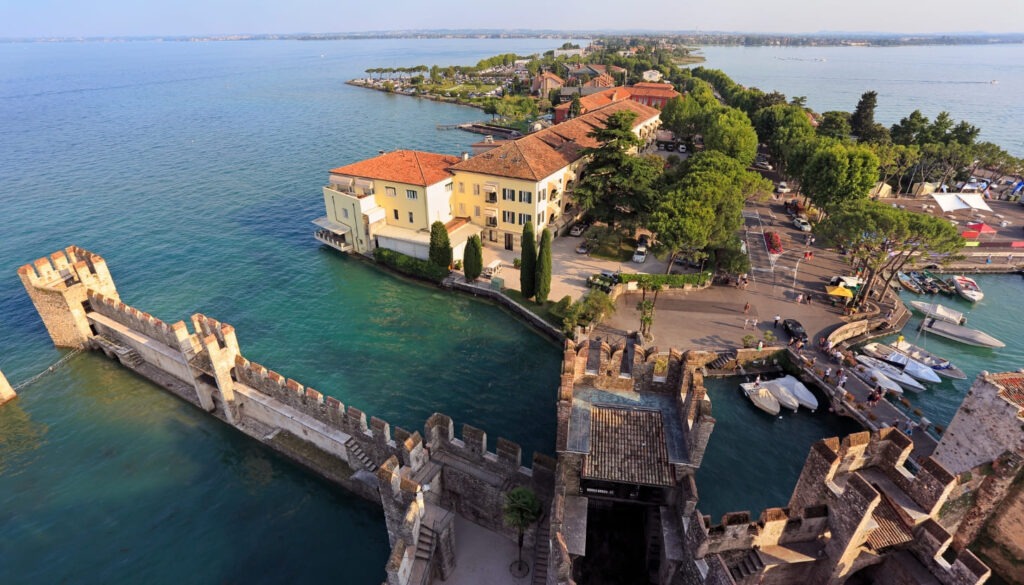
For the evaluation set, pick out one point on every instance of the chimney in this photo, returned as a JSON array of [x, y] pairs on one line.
[[465, 155]]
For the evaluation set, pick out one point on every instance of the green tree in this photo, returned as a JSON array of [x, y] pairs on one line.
[[683, 224], [521, 510], [839, 173], [862, 121], [575, 107], [543, 280], [440, 246], [835, 125], [473, 258], [730, 131], [528, 263]]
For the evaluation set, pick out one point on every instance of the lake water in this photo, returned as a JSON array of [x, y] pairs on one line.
[[195, 169]]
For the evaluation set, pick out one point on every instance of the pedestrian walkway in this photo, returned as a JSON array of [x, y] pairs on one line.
[[484, 556]]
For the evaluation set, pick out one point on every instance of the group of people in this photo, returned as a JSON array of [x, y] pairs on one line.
[[875, 396]]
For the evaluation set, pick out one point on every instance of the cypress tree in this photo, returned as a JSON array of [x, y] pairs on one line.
[[473, 258], [440, 246], [528, 263], [544, 267]]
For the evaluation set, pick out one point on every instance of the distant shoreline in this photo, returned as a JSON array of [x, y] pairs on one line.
[[687, 38]]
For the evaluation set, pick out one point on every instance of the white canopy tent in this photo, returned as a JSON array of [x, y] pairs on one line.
[[957, 201]]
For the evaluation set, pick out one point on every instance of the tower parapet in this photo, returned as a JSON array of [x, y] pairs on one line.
[[59, 285]]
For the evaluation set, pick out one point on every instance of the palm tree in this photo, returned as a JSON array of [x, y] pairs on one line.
[[522, 509]]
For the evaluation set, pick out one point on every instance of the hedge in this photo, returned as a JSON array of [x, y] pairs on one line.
[[669, 280], [409, 265]]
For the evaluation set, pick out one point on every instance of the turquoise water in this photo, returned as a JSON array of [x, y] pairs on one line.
[[195, 169], [957, 79]]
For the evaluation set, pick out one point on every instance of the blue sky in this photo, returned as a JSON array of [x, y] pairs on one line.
[[41, 18]]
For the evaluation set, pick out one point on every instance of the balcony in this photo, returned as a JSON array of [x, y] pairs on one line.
[[492, 222], [491, 198]]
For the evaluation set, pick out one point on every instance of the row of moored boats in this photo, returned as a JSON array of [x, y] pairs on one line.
[[772, 396], [924, 282]]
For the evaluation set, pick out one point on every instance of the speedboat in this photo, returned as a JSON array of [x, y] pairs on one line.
[[924, 282], [960, 333], [908, 283], [941, 366], [876, 378], [967, 288], [940, 312], [804, 396], [905, 363], [944, 287], [761, 397], [782, 396], [891, 372]]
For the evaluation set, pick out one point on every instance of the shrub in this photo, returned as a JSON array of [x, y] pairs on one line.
[[774, 242], [668, 280], [543, 279], [409, 265], [559, 309], [517, 263], [749, 341], [528, 271], [769, 337], [473, 258], [440, 245]]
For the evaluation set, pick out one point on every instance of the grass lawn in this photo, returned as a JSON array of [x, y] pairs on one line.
[[542, 311]]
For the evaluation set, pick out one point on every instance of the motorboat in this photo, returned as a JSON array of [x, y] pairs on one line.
[[967, 288], [941, 366], [908, 283], [891, 372], [940, 312], [960, 333], [906, 364], [943, 286], [876, 378], [761, 397], [802, 394], [924, 282], [781, 394]]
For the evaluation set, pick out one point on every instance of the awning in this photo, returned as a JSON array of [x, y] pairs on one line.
[[491, 187], [981, 227], [490, 212], [839, 291], [956, 201], [364, 184], [334, 228], [341, 180]]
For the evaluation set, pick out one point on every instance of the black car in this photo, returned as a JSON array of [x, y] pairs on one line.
[[795, 329]]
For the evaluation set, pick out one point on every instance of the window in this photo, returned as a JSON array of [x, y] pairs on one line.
[[523, 218], [492, 222], [476, 210], [410, 193], [540, 218], [476, 189], [410, 217], [462, 209], [492, 198], [344, 213], [462, 187], [508, 217], [508, 194], [447, 187], [390, 191], [525, 197], [542, 195], [396, 214]]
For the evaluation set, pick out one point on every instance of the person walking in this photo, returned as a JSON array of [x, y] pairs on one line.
[[754, 322], [746, 308], [778, 318]]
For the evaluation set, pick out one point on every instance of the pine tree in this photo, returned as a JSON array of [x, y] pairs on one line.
[[473, 258], [543, 282], [528, 263], [440, 246]]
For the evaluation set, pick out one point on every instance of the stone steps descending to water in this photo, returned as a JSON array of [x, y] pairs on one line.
[[356, 454]]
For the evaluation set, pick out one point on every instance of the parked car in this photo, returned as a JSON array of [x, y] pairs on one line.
[[782, 188], [578, 229], [795, 329], [682, 148], [584, 248], [801, 224], [850, 282], [764, 165], [640, 256]]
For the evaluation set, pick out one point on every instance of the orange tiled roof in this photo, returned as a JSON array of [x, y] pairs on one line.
[[1012, 385], [599, 99], [412, 167], [552, 76], [540, 154], [602, 80], [653, 90]]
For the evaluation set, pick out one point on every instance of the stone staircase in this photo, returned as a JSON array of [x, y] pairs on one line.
[[425, 545], [126, 355], [541, 551], [749, 565], [723, 359], [356, 454]]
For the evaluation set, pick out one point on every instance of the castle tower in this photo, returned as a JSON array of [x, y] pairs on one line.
[[58, 286], [6, 392], [221, 348]]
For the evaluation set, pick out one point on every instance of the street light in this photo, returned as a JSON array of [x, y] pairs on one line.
[[795, 268]]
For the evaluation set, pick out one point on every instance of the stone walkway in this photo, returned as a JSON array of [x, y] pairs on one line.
[[483, 556]]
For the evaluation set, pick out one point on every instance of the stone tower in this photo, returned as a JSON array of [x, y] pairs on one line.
[[6, 392], [58, 286]]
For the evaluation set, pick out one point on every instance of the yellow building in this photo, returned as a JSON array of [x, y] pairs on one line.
[[390, 201]]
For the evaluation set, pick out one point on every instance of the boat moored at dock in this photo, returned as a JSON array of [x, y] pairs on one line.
[[960, 333]]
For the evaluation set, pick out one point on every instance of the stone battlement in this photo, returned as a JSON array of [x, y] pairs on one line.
[[173, 336], [66, 268]]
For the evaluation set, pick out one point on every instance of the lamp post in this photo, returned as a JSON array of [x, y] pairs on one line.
[[795, 268]]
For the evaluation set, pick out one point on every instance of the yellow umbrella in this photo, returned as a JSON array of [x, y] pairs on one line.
[[839, 291]]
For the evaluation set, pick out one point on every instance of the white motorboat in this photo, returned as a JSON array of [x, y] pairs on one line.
[[781, 394], [941, 366], [967, 288], [960, 333], [802, 394], [940, 312], [876, 378], [905, 363], [891, 372], [761, 397]]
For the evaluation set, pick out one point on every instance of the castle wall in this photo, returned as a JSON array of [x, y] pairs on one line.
[[153, 352], [984, 426]]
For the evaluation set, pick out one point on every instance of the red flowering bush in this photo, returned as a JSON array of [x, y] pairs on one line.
[[774, 242]]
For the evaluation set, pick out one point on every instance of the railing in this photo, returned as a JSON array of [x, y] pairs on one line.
[[332, 240]]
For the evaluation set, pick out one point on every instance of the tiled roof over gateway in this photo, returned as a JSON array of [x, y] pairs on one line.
[[538, 155], [1012, 385], [412, 167]]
